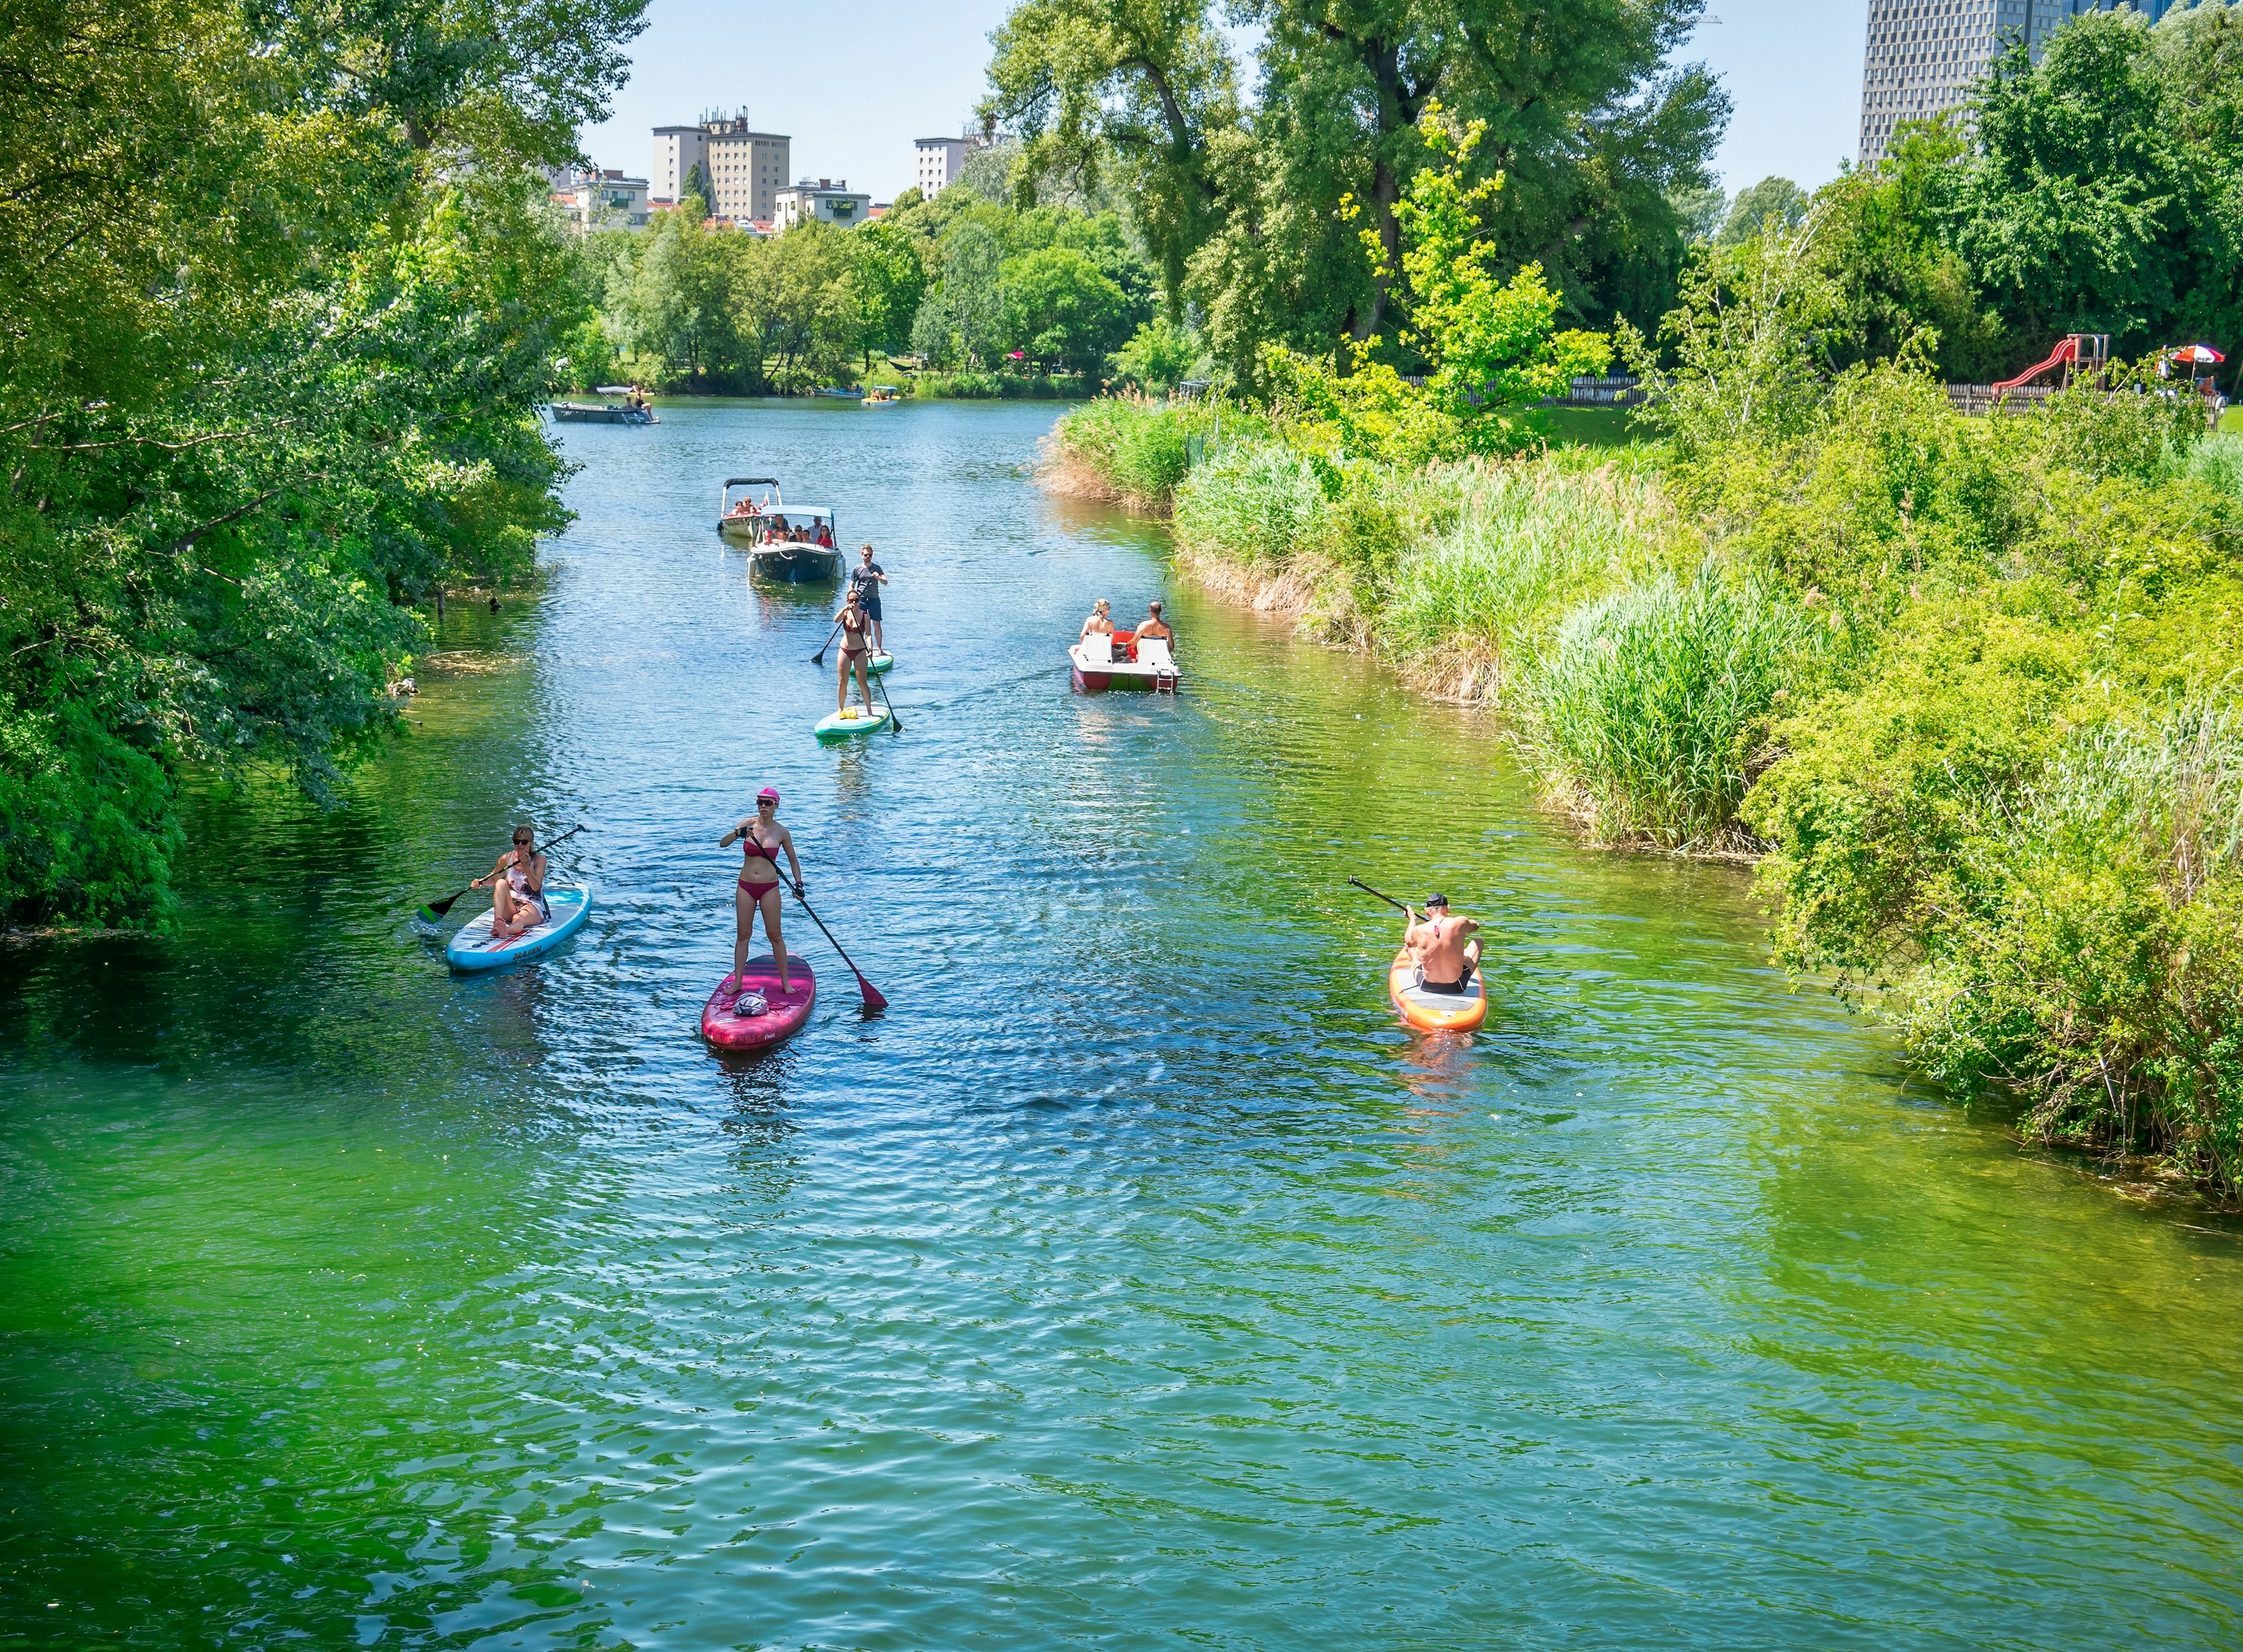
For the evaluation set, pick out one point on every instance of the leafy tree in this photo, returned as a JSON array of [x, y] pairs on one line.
[[1776, 198], [1159, 357], [1136, 87], [1899, 282], [806, 295], [972, 290], [891, 281], [1490, 343], [282, 299], [686, 300], [2087, 207], [1058, 308]]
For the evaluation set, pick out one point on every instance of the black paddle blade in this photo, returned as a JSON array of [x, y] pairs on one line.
[[437, 909]]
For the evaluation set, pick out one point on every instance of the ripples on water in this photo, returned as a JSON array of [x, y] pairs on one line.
[[1134, 1281]]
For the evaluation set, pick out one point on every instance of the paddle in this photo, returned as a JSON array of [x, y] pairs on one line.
[[818, 658], [895, 722], [872, 999], [437, 909], [1388, 898]]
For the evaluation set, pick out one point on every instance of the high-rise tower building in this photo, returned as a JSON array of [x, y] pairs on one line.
[[1925, 56]]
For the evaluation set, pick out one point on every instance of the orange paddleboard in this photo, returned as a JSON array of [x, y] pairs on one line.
[[1435, 1012]]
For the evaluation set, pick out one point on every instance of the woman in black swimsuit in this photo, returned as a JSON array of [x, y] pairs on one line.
[[856, 651]]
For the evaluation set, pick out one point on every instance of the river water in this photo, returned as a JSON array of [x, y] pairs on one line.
[[1134, 1281]]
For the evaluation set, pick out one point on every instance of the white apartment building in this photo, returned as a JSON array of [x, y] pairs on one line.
[[603, 200], [1925, 56], [746, 169], [939, 160], [828, 200]]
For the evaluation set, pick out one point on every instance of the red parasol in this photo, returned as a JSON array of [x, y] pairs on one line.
[[2203, 353]]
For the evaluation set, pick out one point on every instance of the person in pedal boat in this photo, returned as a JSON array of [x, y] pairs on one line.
[[517, 887], [866, 579], [856, 651], [1156, 626], [1102, 619], [760, 837], [1441, 946]]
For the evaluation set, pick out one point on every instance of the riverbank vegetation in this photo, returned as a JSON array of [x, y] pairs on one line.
[[1965, 687], [988, 298], [281, 303]]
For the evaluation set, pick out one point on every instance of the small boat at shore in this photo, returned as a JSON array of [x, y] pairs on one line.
[[836, 393], [882, 395], [746, 521], [1101, 662]]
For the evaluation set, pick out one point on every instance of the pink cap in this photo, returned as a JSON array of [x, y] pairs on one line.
[[767, 792]]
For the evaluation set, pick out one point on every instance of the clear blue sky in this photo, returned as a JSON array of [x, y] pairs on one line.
[[854, 82]]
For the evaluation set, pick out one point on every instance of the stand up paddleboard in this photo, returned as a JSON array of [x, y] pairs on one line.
[[474, 947], [1435, 1012], [881, 661], [782, 1016], [851, 721]]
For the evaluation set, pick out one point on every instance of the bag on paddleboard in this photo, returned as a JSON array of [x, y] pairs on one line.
[[750, 1004]]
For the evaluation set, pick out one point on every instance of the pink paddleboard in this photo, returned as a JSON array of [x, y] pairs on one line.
[[782, 1020]]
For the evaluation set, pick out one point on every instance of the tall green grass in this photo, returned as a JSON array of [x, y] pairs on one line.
[[1649, 710], [1257, 503], [1528, 541], [2216, 459]]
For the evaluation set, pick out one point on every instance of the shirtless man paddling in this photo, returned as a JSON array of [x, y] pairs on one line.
[[1441, 946]]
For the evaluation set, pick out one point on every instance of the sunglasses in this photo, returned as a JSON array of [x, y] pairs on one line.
[[520, 842]]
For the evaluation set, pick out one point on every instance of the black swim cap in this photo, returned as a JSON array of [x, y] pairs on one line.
[[1436, 900]]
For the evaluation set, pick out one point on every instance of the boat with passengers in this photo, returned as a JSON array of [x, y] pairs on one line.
[[1121, 659], [632, 409], [762, 527]]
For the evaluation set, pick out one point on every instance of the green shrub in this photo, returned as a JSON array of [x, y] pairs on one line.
[[1651, 709], [2099, 969], [1255, 502], [964, 386]]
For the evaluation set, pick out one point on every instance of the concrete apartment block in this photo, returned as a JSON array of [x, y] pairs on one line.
[[1925, 56], [746, 169]]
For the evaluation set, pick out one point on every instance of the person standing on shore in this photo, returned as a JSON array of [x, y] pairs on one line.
[[866, 579]]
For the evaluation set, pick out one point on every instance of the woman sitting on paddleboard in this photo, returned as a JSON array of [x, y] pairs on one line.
[[760, 837], [517, 884], [856, 649]]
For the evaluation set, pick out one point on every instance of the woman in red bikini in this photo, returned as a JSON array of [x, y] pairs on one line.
[[760, 837]]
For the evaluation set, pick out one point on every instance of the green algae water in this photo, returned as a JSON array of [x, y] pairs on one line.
[[1135, 1281]]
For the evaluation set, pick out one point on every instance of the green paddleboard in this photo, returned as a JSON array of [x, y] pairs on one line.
[[881, 662], [855, 720]]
